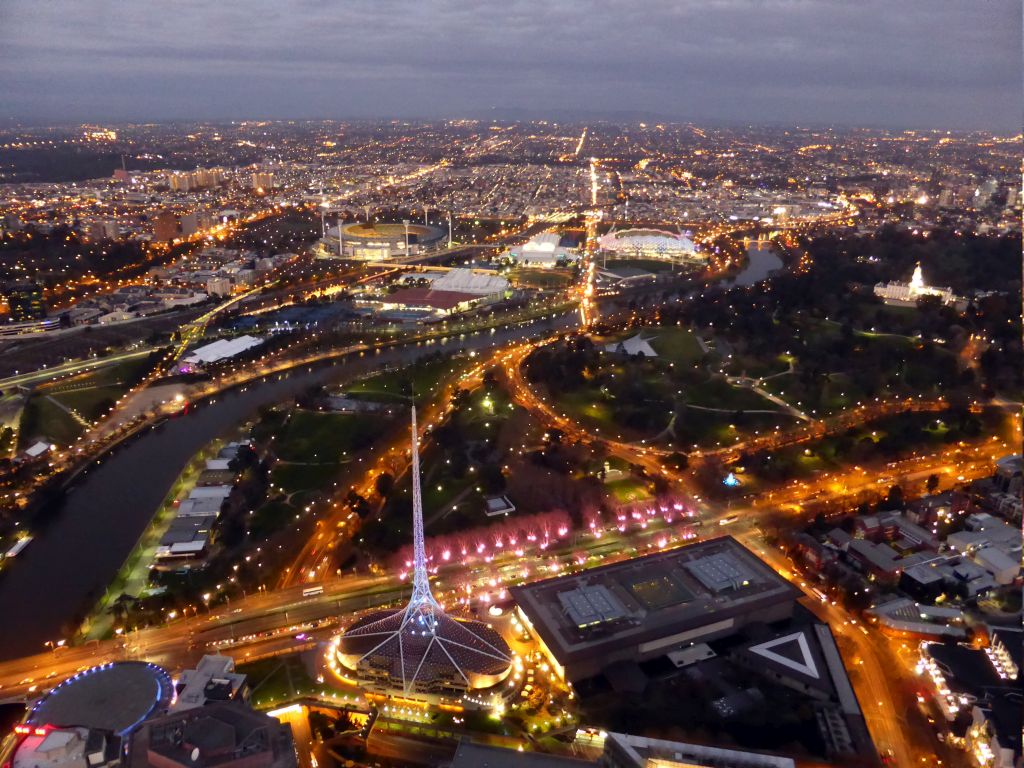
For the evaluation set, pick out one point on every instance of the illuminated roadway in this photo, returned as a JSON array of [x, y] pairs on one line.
[[266, 622]]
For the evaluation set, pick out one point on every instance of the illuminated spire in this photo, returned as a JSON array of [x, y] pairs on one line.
[[422, 631], [422, 603], [917, 280]]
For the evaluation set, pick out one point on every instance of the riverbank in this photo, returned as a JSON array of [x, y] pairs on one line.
[[93, 526]]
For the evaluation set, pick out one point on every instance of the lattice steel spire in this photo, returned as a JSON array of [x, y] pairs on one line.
[[422, 605], [421, 646]]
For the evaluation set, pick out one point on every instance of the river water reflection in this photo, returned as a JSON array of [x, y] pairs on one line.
[[95, 526]]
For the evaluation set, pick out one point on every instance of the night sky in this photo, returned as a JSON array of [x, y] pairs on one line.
[[897, 63]]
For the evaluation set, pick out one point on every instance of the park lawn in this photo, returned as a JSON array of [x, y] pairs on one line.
[[588, 405], [93, 393], [122, 375], [42, 418], [424, 377], [314, 436], [278, 680], [647, 265], [270, 517], [543, 279], [758, 367], [718, 393], [443, 489], [838, 394], [303, 477], [486, 414], [712, 429], [91, 403], [628, 489], [676, 344], [882, 314]]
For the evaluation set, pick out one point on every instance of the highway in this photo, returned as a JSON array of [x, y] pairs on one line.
[[267, 622], [882, 687], [72, 367]]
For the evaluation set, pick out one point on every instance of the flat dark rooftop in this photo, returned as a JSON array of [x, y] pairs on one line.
[[649, 597], [470, 755], [114, 697]]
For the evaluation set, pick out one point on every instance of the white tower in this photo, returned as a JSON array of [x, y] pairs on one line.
[[917, 280], [422, 606], [420, 643]]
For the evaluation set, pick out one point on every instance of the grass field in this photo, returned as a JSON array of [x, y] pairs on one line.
[[312, 436], [303, 477], [44, 419], [544, 279], [678, 345], [718, 393], [269, 518], [90, 395], [422, 378], [627, 490], [647, 265], [279, 679]]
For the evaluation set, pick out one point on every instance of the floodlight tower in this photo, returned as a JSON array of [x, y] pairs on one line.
[[323, 213]]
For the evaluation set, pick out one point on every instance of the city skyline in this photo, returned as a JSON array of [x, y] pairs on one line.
[[622, 385], [916, 65]]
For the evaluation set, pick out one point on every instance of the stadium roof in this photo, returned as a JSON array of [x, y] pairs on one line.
[[645, 240], [546, 241], [429, 298], [390, 231]]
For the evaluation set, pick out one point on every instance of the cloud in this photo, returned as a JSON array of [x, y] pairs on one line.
[[914, 62]]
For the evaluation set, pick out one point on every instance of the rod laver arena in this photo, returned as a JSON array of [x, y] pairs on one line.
[[644, 608]]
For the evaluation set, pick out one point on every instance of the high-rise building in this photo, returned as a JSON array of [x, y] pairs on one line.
[[207, 177], [189, 224], [104, 230], [25, 301], [200, 178], [262, 181], [165, 227], [224, 734], [180, 182]]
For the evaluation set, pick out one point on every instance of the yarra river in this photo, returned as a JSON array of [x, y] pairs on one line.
[[93, 527]]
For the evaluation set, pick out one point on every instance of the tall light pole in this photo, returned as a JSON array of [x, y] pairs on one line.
[[341, 238], [449, 229], [425, 211], [406, 223]]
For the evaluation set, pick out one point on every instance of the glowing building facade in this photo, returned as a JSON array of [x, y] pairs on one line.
[[907, 294]]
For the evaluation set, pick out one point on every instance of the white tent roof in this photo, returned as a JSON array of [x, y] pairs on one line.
[[37, 449], [467, 281], [632, 346], [546, 242], [223, 349]]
